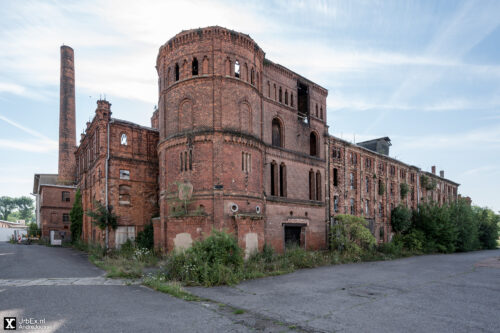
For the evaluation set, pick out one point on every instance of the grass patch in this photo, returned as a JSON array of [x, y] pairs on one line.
[[172, 288], [238, 311]]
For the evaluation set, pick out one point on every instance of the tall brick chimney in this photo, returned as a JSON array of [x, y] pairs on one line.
[[433, 168], [67, 128]]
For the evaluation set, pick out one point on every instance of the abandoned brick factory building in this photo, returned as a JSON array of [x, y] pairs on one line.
[[238, 143]]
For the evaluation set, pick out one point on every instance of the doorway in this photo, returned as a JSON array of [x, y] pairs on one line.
[[292, 236]]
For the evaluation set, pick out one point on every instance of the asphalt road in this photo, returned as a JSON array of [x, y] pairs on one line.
[[435, 293], [60, 286], [439, 293]]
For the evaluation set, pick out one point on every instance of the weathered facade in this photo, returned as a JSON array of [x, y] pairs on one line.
[[117, 166], [238, 143]]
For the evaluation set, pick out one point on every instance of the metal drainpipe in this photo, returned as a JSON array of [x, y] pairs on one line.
[[106, 183], [327, 184]]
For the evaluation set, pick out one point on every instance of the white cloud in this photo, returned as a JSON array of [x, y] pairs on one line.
[[29, 146]]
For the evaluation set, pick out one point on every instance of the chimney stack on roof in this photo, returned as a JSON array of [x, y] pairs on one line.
[[433, 168], [441, 173], [67, 126]]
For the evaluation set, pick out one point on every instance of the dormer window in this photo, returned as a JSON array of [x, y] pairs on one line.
[[123, 139]]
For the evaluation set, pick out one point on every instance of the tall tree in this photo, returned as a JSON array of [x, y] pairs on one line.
[[7, 205], [25, 206]]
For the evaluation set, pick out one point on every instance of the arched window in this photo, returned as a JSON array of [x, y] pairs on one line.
[[194, 67], [275, 92], [321, 113], [252, 77], [205, 66], [276, 133], [282, 180], [123, 139], [316, 110], [237, 68], [280, 96], [176, 72], [291, 99], [286, 97], [268, 89], [313, 144]]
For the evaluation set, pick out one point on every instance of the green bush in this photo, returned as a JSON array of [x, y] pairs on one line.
[[76, 218], [466, 225], [215, 260], [436, 224], [487, 227], [403, 190], [145, 238], [400, 219], [33, 230], [351, 235]]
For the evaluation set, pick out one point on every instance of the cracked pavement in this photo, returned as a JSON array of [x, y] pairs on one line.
[[436, 293]]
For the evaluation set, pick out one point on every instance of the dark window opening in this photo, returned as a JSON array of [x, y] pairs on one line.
[[274, 185], [176, 72], [303, 102], [194, 67], [286, 97], [252, 77], [280, 96], [276, 133], [316, 110], [336, 203], [318, 186], [65, 196], [65, 218], [335, 177], [312, 186], [313, 143], [292, 236], [282, 180], [291, 100], [353, 209], [321, 113]]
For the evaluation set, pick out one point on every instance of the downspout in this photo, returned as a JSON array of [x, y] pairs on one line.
[[106, 168], [327, 183]]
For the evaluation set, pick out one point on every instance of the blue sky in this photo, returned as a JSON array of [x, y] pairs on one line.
[[424, 73]]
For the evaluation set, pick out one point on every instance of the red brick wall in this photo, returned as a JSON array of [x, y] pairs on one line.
[[52, 208]]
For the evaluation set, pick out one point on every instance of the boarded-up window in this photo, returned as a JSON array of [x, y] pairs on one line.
[[124, 195], [122, 234]]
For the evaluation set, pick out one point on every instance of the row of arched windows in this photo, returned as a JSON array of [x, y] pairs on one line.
[[241, 71], [320, 113], [278, 95], [184, 70]]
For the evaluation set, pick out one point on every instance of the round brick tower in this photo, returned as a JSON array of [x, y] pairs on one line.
[[210, 121]]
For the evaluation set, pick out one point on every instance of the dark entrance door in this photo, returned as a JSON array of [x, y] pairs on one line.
[[292, 236]]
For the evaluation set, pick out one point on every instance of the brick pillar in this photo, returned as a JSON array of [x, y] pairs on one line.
[[67, 128]]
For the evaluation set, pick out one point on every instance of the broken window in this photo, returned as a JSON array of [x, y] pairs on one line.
[[176, 72], [282, 180], [124, 174], [303, 102], [353, 209], [194, 67], [124, 195], [336, 203], [123, 139], [335, 177], [65, 196], [276, 133], [313, 144], [237, 68]]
